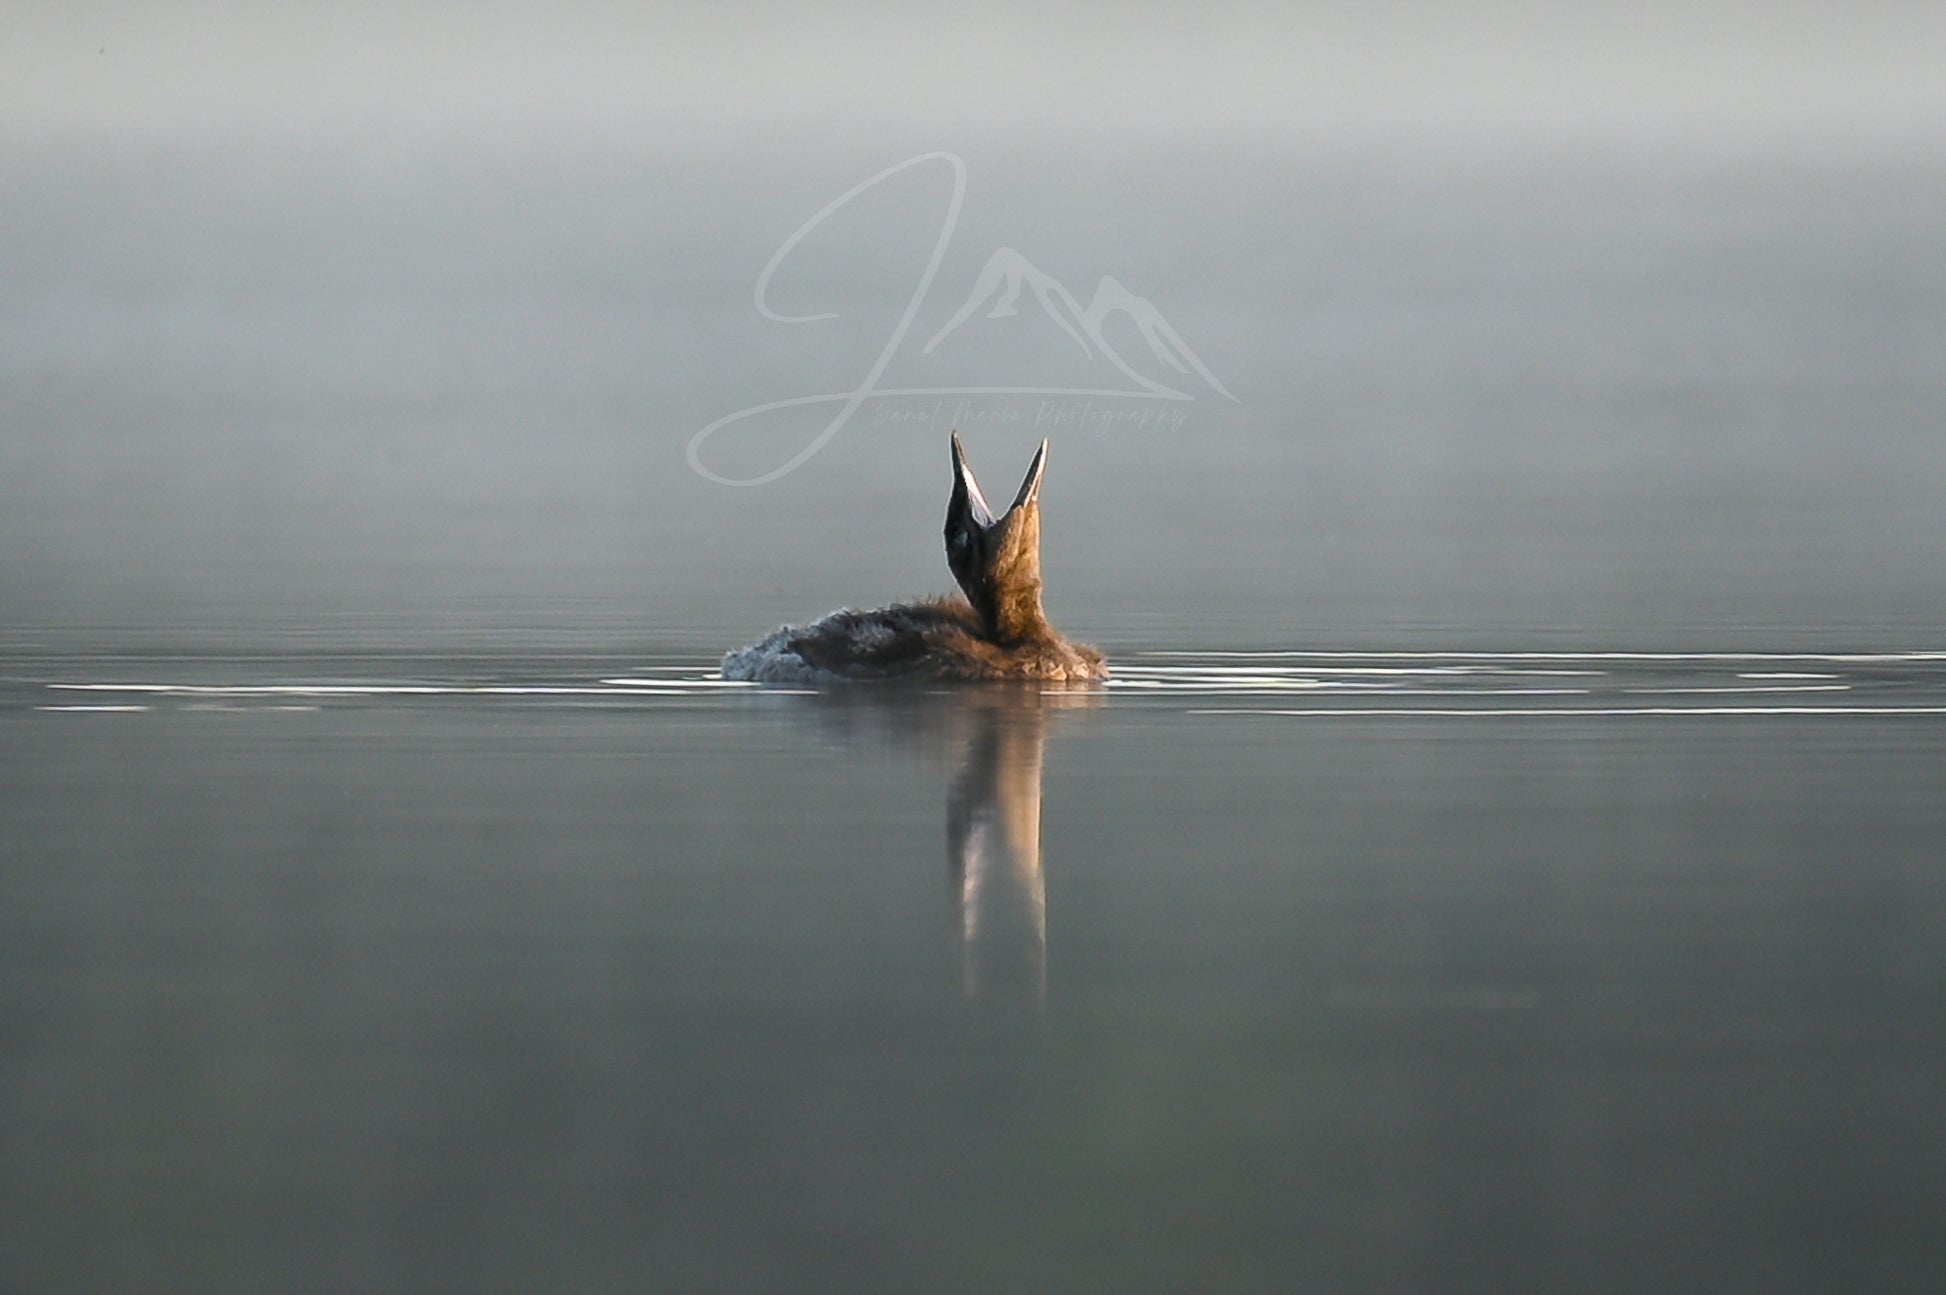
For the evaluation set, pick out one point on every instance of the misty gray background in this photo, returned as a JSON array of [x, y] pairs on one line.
[[388, 327], [333, 332]]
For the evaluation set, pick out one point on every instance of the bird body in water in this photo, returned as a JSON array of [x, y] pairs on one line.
[[996, 631]]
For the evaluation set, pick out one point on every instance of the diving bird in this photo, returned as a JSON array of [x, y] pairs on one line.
[[997, 631]]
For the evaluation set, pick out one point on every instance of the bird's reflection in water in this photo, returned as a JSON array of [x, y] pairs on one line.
[[993, 843], [997, 735]]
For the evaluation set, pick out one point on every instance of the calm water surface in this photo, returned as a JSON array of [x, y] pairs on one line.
[[1251, 972]]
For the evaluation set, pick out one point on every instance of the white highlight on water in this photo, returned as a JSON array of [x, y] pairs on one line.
[[1368, 683], [1560, 712], [94, 709], [1849, 658]]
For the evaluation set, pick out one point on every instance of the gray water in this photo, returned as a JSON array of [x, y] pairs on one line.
[[1277, 972], [1507, 857]]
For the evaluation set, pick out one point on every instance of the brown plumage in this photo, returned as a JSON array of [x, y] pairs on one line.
[[997, 631]]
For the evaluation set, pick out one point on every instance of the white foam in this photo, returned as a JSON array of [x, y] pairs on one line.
[[770, 660]]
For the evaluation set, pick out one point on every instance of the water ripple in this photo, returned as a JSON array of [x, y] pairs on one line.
[[1210, 683]]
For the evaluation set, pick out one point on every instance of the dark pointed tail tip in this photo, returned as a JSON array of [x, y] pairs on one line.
[[961, 469], [966, 487], [1030, 487]]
